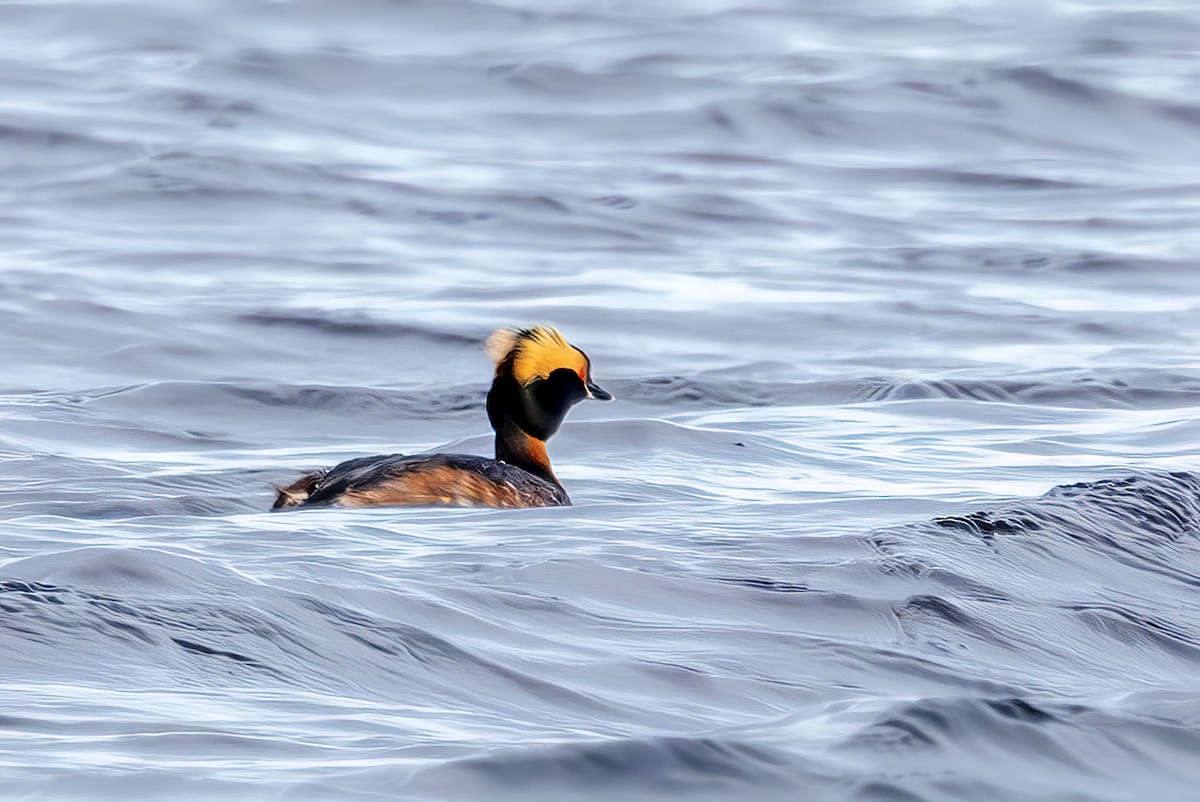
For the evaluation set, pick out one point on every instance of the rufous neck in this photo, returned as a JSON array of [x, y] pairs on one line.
[[517, 447]]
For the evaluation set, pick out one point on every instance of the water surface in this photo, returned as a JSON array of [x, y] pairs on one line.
[[868, 281]]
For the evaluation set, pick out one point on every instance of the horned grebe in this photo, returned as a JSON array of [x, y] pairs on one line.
[[539, 377]]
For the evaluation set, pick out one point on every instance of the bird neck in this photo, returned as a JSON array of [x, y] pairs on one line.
[[517, 447]]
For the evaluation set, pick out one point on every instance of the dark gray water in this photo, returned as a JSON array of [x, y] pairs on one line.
[[868, 278]]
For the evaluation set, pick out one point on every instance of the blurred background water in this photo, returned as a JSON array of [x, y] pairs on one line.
[[867, 278]]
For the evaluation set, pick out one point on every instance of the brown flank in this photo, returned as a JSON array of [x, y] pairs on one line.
[[443, 484]]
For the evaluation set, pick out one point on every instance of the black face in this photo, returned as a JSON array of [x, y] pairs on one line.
[[551, 397], [539, 408]]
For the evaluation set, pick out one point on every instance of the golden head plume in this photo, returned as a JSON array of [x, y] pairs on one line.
[[534, 353]]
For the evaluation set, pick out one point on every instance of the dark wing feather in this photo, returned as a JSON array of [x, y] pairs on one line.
[[356, 473]]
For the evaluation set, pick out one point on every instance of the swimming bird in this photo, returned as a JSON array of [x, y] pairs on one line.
[[539, 377]]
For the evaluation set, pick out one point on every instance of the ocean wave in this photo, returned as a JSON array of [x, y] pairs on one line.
[[635, 768]]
